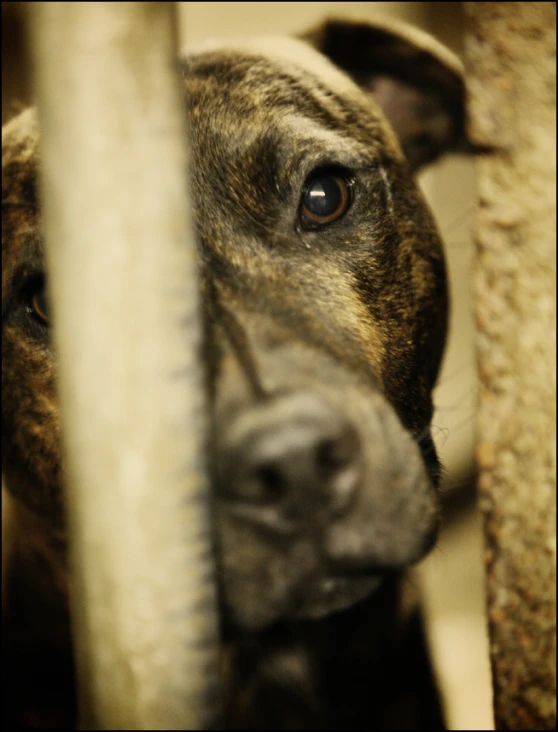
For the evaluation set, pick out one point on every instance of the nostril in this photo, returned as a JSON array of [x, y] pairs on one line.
[[262, 483], [335, 454], [339, 468], [270, 481], [296, 456]]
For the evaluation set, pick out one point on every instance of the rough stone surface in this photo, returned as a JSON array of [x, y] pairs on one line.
[[511, 58]]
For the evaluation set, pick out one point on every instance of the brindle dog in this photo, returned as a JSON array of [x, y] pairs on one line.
[[325, 311]]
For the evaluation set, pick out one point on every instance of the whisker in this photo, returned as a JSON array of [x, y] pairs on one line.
[[468, 208], [470, 364]]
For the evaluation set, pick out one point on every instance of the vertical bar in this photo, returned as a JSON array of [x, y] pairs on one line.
[[122, 269], [511, 58]]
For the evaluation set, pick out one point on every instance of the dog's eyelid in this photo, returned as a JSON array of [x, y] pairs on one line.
[[330, 167], [349, 170], [27, 276], [18, 202]]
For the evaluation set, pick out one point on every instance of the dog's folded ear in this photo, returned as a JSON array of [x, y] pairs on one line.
[[418, 82]]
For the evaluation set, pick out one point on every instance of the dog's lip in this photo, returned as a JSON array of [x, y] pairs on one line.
[[331, 594]]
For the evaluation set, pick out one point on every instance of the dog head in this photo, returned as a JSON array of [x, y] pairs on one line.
[[325, 311]]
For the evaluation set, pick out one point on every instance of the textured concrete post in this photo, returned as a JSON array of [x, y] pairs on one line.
[[511, 58], [122, 269]]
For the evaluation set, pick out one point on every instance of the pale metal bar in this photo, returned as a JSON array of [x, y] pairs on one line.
[[122, 276]]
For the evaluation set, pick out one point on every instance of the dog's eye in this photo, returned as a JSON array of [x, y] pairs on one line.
[[326, 196], [38, 302]]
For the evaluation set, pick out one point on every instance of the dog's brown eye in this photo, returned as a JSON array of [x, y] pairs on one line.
[[39, 304], [325, 198]]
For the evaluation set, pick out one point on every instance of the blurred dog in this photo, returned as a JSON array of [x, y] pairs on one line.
[[325, 312]]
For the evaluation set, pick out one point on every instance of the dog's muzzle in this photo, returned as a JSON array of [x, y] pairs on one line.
[[316, 507]]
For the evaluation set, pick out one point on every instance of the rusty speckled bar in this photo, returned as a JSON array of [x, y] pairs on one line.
[[511, 60]]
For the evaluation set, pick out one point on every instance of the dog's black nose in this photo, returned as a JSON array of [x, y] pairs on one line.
[[292, 459]]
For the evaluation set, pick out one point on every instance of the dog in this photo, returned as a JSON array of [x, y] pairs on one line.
[[325, 311]]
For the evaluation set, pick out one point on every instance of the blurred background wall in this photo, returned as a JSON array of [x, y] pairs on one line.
[[451, 579]]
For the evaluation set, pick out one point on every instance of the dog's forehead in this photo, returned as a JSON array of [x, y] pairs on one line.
[[20, 223], [283, 55], [282, 94], [272, 89], [20, 143], [274, 74]]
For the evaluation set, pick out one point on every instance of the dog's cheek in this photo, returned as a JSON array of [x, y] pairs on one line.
[[31, 442]]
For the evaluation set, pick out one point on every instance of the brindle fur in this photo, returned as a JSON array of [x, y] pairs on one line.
[[355, 313]]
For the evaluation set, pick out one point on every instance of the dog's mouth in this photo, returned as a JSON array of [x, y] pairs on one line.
[[329, 595], [313, 599]]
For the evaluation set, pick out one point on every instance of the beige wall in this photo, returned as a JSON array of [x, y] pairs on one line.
[[221, 20]]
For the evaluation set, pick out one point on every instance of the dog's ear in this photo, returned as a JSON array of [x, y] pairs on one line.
[[418, 82]]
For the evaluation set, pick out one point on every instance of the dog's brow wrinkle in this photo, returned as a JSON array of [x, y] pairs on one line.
[[26, 230], [14, 202], [240, 345], [388, 189]]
